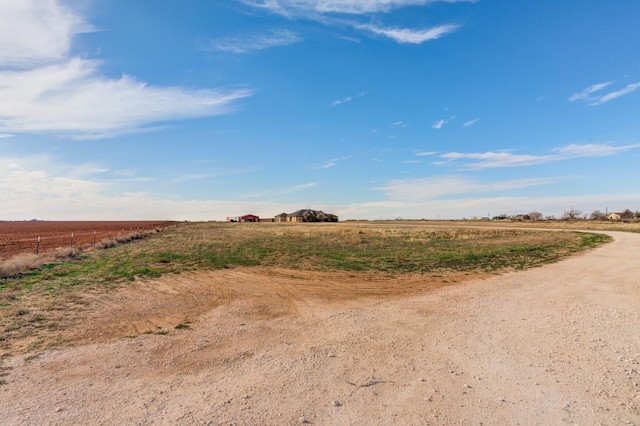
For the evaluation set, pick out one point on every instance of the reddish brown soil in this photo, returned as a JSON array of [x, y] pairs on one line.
[[21, 237]]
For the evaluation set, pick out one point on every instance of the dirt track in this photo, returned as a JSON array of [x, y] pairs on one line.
[[558, 344]]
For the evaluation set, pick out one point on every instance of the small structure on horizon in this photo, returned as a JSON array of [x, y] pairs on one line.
[[613, 216], [245, 218]]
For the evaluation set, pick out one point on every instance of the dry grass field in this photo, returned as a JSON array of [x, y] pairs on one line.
[[336, 262]]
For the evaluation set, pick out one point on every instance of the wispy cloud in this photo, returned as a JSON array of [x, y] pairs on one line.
[[589, 90], [470, 122], [422, 189], [250, 43], [354, 7], [328, 164], [613, 95], [43, 89], [347, 99], [5, 135], [352, 13], [341, 101], [409, 36], [426, 153], [586, 94], [399, 124], [490, 159], [594, 150], [440, 123]]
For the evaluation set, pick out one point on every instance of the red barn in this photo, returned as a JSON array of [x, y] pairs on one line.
[[245, 218]]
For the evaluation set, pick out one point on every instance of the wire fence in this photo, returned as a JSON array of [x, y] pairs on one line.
[[13, 243]]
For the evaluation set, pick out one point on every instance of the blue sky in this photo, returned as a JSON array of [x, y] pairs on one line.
[[368, 109]]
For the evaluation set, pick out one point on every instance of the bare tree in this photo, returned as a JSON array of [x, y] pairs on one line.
[[535, 215], [571, 214], [627, 214], [597, 215]]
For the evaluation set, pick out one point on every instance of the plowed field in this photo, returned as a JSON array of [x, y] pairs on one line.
[[22, 237]]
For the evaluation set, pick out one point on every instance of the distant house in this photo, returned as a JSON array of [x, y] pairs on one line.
[[613, 216], [522, 217], [282, 217], [245, 218], [308, 215]]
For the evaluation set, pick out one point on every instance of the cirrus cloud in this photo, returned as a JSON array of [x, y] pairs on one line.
[[352, 7], [492, 159]]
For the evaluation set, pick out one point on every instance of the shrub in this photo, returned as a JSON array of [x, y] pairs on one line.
[[19, 264], [105, 244], [63, 253]]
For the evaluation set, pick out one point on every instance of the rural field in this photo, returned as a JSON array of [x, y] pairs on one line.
[[347, 323], [22, 237]]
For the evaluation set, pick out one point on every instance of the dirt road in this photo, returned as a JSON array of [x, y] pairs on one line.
[[554, 345]]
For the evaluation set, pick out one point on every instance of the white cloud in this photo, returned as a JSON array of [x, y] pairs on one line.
[[329, 164], [306, 7], [594, 150], [35, 32], [341, 101], [37, 187], [586, 94], [589, 90], [438, 124], [53, 92], [71, 98], [426, 153], [255, 42], [486, 160], [613, 95], [347, 99], [5, 135], [399, 124], [471, 122], [421, 189], [490, 159], [408, 36], [348, 12]]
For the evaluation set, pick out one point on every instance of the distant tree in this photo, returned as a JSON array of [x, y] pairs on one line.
[[637, 214], [627, 214], [535, 215], [597, 215], [550, 217], [571, 214]]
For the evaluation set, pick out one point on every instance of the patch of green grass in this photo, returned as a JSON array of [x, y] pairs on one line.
[[383, 249]]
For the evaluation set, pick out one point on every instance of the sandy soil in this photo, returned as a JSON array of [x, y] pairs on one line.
[[554, 345]]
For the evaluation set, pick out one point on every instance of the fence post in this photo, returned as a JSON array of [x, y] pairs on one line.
[[72, 240], [94, 239], [38, 246]]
